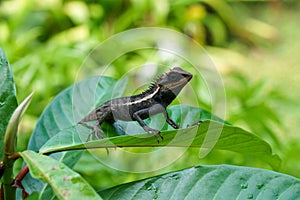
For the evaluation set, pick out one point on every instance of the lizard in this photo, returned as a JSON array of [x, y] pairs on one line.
[[152, 101]]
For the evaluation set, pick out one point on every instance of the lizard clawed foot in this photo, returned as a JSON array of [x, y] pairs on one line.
[[157, 139], [195, 124], [97, 132], [154, 132]]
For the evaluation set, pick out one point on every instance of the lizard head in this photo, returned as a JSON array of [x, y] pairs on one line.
[[173, 81]]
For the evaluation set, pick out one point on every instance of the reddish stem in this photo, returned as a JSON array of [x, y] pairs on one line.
[[14, 156], [18, 181]]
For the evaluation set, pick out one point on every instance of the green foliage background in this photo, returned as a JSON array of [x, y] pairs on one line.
[[252, 43]]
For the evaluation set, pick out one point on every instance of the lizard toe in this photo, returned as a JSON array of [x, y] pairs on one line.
[[98, 133], [155, 133]]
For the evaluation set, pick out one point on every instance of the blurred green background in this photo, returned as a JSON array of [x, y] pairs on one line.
[[253, 43]]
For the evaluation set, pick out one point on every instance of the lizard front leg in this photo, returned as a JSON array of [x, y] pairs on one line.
[[137, 117]]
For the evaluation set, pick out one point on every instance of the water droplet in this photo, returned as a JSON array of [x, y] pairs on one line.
[[175, 176], [151, 186], [259, 186], [244, 186]]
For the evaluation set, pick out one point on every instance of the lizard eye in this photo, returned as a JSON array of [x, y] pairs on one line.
[[173, 77]]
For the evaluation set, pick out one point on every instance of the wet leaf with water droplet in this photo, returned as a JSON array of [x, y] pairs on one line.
[[244, 186], [210, 182]]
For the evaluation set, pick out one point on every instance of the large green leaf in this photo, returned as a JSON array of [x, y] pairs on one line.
[[210, 182], [8, 100], [207, 135], [64, 111], [65, 183]]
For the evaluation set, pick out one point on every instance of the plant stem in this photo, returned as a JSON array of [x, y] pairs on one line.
[[9, 192]]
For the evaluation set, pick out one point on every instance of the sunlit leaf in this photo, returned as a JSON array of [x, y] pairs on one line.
[[65, 183], [210, 182]]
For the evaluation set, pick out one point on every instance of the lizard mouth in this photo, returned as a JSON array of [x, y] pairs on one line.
[[185, 78], [179, 83], [188, 76]]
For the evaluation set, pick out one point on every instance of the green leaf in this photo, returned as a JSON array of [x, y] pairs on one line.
[[65, 183], [210, 182], [64, 111], [207, 135], [8, 100]]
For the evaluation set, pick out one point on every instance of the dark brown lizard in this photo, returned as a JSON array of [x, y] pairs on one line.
[[138, 107]]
